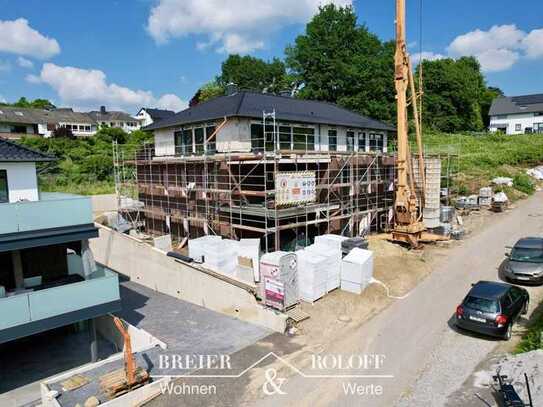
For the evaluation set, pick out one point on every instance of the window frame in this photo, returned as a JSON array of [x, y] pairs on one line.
[[349, 134], [334, 137], [4, 175], [518, 126]]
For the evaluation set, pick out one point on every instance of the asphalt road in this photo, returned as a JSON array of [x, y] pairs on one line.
[[427, 359]]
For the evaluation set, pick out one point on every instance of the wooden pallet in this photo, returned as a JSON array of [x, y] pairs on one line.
[[114, 384]]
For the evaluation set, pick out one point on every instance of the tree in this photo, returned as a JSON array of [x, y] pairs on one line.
[[454, 94], [252, 73], [489, 95], [208, 91], [338, 61], [36, 103]]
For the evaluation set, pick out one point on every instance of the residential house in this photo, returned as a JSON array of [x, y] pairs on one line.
[[16, 122], [48, 277], [517, 114], [116, 119], [261, 165], [147, 116]]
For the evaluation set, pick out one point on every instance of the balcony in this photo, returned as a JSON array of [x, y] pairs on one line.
[[35, 311], [53, 210]]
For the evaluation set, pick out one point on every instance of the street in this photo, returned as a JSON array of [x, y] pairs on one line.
[[428, 358]]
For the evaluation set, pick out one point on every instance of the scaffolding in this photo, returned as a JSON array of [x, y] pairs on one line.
[[191, 192]]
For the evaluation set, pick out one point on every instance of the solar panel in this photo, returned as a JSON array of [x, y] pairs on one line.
[[528, 99]]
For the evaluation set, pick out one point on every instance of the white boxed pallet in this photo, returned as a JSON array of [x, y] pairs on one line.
[[312, 277], [197, 246], [351, 287], [357, 268], [330, 240]]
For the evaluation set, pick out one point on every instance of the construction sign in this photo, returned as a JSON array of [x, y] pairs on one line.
[[295, 187]]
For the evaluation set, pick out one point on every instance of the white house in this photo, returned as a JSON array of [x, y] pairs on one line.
[[517, 114], [300, 125], [147, 116], [117, 119]]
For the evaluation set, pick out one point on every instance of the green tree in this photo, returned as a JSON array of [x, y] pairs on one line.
[[338, 61], [252, 73], [454, 93], [208, 91], [489, 95]]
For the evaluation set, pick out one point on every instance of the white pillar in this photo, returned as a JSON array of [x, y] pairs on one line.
[[89, 265]]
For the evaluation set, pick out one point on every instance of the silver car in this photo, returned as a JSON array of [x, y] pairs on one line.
[[525, 262]]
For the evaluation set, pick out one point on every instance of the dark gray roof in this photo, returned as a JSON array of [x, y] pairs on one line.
[[10, 151], [111, 116], [10, 114], [250, 104], [517, 104], [159, 114]]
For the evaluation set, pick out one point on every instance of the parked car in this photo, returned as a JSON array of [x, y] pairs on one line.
[[491, 308], [525, 262]]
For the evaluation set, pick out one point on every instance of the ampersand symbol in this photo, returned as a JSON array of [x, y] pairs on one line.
[[272, 387]]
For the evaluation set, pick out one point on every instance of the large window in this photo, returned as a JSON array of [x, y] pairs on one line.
[[376, 142], [199, 140], [257, 137], [361, 141], [285, 137], [183, 142], [4, 192], [211, 144], [304, 138], [538, 127], [350, 141], [332, 140]]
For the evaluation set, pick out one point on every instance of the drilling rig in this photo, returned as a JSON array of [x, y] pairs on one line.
[[408, 227]]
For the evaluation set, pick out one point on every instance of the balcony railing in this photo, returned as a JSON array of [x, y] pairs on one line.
[[101, 288], [53, 210]]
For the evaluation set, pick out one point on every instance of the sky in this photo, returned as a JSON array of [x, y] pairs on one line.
[[126, 54]]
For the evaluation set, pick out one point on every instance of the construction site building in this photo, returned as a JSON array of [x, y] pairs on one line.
[[253, 165]]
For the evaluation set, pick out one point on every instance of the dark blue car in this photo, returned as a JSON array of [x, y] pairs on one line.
[[491, 308]]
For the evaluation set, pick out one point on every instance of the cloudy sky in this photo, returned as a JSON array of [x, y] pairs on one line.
[[131, 53]]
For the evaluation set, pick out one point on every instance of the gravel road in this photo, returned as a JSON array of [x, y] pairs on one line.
[[427, 357]]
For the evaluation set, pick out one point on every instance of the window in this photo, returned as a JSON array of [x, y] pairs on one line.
[[183, 141], [257, 137], [199, 140], [350, 141], [538, 127], [285, 137], [332, 140], [87, 128], [19, 129], [211, 147], [361, 141], [270, 138], [304, 138], [376, 142], [516, 294], [4, 192], [518, 127]]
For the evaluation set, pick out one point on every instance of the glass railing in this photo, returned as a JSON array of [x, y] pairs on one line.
[[53, 210], [102, 287]]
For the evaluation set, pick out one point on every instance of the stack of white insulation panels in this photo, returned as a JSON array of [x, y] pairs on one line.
[[330, 246], [356, 270], [312, 275]]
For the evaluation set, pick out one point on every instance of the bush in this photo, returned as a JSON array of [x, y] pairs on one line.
[[524, 183]]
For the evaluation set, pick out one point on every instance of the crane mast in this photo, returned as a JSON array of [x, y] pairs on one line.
[[407, 225]]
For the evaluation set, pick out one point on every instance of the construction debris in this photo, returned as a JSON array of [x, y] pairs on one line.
[[536, 172], [503, 181], [74, 382]]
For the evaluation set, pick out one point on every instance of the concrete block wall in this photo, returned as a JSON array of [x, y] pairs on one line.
[[151, 267]]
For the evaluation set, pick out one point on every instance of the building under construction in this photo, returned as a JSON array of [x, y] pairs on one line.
[[252, 165]]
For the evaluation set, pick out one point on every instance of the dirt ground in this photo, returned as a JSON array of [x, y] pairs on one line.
[[399, 268]]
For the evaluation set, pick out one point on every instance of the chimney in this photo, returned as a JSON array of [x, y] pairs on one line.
[[103, 109], [231, 89]]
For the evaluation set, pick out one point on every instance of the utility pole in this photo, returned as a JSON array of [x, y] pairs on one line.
[[407, 227]]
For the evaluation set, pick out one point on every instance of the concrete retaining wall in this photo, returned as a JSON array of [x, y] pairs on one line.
[[103, 203], [140, 339], [151, 267]]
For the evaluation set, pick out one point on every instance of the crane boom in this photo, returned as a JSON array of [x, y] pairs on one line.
[[407, 227]]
